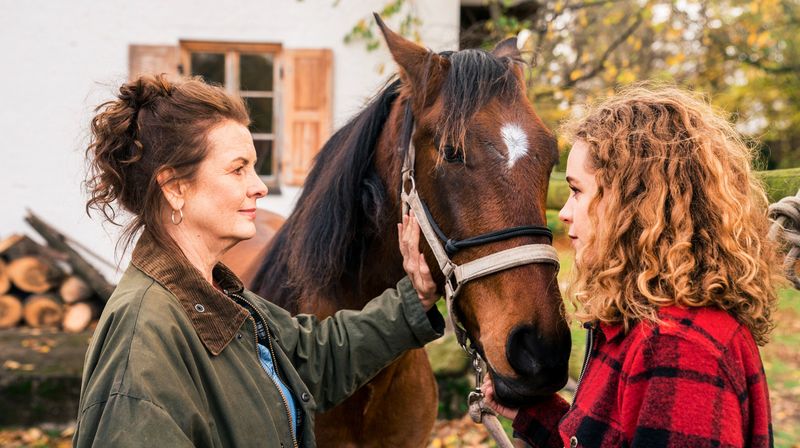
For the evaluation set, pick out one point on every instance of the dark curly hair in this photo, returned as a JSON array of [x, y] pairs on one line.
[[154, 124]]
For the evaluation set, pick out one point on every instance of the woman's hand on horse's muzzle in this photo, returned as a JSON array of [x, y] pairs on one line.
[[414, 262], [488, 398]]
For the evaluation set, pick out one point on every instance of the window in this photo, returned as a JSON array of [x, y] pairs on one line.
[[250, 71]]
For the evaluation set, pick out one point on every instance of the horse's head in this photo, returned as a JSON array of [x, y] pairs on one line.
[[483, 161]]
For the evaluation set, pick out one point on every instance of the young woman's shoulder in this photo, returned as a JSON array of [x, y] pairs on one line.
[[711, 327], [698, 339]]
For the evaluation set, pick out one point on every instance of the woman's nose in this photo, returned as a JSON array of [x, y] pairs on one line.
[[259, 189], [565, 214]]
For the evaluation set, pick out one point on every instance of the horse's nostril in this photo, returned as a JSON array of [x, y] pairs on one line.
[[530, 354], [523, 351]]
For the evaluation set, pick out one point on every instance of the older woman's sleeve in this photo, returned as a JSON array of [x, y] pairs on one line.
[[337, 355]]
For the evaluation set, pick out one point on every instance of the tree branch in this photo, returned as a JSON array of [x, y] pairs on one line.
[[602, 61]]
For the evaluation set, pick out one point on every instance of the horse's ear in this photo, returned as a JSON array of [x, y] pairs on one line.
[[507, 48], [420, 67]]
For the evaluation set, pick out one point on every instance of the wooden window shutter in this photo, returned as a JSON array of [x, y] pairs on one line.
[[153, 59], [307, 109]]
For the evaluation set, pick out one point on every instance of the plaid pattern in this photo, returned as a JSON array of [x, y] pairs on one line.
[[695, 380]]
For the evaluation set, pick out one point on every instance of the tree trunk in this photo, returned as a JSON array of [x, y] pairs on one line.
[[43, 310], [34, 274], [74, 289], [5, 282], [10, 311], [78, 316]]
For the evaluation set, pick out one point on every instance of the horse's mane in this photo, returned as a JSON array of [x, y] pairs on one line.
[[343, 204], [338, 210]]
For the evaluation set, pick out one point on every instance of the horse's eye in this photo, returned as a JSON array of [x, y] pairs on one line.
[[453, 154]]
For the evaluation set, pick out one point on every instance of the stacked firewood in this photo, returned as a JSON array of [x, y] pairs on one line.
[[48, 285]]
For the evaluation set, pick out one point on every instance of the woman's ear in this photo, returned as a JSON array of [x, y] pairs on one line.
[[173, 189]]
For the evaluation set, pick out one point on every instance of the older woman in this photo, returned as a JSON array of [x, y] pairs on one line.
[[183, 354], [673, 281]]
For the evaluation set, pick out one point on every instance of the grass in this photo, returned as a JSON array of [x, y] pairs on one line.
[[781, 358]]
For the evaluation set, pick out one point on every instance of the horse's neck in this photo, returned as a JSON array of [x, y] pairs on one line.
[[382, 268]]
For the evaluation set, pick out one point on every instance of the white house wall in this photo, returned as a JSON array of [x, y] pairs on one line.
[[62, 58]]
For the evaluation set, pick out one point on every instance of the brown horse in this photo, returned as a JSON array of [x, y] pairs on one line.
[[483, 160]]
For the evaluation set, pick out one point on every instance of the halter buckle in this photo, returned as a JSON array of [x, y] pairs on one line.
[[451, 284], [408, 176]]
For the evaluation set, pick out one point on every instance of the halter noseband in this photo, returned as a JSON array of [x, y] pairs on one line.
[[443, 247]]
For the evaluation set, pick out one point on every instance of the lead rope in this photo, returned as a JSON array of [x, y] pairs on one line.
[[786, 225], [480, 413]]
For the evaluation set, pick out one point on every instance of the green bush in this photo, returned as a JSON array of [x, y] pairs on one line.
[[780, 183]]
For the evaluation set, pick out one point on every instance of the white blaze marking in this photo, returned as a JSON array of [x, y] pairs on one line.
[[516, 142]]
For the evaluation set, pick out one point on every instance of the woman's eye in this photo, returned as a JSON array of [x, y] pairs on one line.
[[453, 154], [239, 170]]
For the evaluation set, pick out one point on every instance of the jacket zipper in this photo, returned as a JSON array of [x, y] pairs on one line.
[[274, 361], [586, 356]]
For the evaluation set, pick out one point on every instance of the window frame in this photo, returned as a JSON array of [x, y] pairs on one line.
[[233, 51]]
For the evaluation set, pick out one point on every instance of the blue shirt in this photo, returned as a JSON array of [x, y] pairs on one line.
[[266, 362]]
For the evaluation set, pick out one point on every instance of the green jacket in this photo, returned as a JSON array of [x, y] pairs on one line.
[[174, 362]]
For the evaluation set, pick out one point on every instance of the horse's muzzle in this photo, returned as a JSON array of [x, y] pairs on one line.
[[541, 366]]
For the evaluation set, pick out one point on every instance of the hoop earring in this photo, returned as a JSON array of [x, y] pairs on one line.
[[172, 217]]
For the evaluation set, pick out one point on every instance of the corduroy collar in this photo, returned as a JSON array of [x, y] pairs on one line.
[[215, 317]]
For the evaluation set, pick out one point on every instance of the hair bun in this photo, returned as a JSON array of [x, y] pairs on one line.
[[146, 89]]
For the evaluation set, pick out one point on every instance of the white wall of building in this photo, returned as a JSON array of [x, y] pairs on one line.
[[63, 58]]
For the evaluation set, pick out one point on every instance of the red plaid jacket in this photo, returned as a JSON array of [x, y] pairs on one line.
[[694, 380]]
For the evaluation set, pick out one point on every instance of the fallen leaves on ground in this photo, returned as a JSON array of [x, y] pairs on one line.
[[461, 433], [14, 365], [41, 345], [45, 436]]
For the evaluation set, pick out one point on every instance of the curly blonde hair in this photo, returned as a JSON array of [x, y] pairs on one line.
[[683, 220]]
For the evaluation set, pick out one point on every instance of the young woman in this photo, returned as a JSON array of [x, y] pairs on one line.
[[673, 281], [183, 354]]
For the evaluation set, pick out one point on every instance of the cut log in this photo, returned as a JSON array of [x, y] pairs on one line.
[[78, 316], [5, 282], [17, 246], [34, 274], [10, 311], [79, 265], [74, 289], [43, 310]]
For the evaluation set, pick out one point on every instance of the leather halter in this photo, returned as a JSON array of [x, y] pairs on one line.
[[457, 275]]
